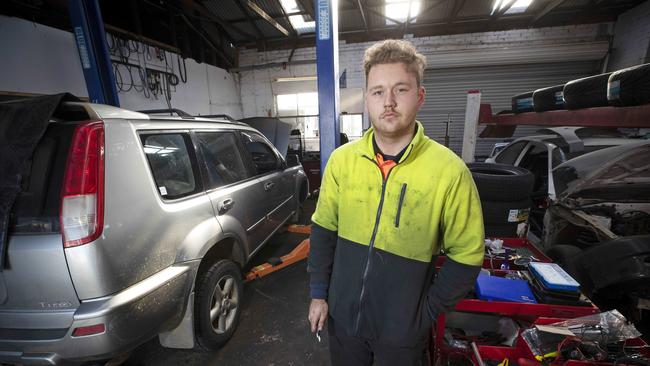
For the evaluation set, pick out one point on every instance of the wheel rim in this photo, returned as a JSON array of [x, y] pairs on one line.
[[224, 304]]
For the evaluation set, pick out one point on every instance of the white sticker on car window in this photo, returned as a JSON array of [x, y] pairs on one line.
[[163, 191]]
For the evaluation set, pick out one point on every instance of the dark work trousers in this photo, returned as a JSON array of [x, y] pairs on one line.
[[354, 351]]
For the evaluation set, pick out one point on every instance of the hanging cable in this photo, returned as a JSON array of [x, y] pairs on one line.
[[182, 74]]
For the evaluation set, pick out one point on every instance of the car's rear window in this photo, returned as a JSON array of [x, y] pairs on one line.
[[36, 208], [173, 164]]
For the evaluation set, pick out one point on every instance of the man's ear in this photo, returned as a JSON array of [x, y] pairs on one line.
[[421, 94]]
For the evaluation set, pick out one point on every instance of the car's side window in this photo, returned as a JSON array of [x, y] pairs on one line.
[[261, 153], [172, 163], [536, 160], [223, 161], [510, 154]]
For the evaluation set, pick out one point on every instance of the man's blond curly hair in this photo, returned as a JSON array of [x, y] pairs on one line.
[[392, 51]]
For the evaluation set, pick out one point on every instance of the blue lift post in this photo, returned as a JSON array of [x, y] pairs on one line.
[[89, 34], [327, 63]]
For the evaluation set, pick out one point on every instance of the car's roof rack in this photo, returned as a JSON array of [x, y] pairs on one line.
[[222, 116], [171, 112]]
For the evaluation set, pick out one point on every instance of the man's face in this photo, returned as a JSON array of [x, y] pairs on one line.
[[393, 99]]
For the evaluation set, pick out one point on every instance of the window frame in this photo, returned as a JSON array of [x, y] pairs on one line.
[[194, 163], [282, 164]]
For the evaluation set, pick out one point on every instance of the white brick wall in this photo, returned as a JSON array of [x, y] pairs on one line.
[[631, 38], [256, 85]]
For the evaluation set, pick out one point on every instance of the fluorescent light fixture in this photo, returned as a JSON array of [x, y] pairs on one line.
[[519, 6], [297, 21], [296, 78], [399, 10]]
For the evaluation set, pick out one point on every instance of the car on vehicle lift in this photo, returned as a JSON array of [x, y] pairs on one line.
[[129, 226], [552, 147], [598, 226]]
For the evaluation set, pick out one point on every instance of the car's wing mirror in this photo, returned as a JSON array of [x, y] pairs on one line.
[[292, 160]]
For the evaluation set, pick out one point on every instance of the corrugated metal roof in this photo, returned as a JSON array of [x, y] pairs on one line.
[[224, 9]]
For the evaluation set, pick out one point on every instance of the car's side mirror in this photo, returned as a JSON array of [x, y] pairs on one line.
[[292, 160]]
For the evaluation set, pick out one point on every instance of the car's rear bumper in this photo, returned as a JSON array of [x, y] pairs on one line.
[[131, 317]]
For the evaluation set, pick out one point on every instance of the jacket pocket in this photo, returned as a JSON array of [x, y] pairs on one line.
[[399, 204]]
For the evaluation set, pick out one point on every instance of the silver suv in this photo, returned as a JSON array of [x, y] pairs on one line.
[[130, 226]]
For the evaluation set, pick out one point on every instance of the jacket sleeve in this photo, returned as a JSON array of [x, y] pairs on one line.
[[463, 243], [324, 233]]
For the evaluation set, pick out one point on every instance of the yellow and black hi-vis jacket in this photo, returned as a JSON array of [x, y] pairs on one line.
[[375, 241]]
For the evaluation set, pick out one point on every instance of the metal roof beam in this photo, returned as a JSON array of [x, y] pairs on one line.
[[286, 19], [249, 19], [267, 17], [363, 15], [229, 62]]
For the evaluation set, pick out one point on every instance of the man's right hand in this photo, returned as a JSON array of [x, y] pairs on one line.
[[317, 314]]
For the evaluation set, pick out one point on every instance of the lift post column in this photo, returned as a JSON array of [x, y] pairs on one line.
[[327, 63], [90, 37]]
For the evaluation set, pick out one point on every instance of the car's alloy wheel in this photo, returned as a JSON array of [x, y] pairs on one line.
[[224, 304]]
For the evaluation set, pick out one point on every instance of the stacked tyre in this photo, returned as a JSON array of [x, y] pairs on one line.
[[505, 196]]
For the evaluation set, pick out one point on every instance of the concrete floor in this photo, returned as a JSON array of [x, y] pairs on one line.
[[273, 328]]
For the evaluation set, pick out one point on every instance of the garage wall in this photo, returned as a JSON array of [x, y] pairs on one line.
[[631, 44], [579, 43], [37, 59]]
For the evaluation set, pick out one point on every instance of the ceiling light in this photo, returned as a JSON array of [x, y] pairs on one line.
[[519, 6], [296, 78]]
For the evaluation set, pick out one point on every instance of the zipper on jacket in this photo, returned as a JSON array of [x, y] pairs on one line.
[[399, 205], [371, 246]]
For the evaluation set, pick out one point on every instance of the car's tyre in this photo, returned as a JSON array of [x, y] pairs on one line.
[[505, 213], [501, 231], [629, 86], [565, 256], [586, 92], [502, 182], [522, 102], [219, 293], [548, 99]]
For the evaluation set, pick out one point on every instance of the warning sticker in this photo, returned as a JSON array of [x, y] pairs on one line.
[[323, 20], [518, 215]]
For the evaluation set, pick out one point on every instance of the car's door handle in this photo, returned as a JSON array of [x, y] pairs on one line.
[[268, 186], [225, 205]]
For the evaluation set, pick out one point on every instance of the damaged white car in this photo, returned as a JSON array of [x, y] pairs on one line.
[[598, 227]]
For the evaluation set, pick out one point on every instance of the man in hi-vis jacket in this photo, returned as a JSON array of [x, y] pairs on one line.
[[388, 204]]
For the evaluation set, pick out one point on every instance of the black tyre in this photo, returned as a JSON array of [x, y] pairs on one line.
[[586, 92], [629, 86], [501, 231], [565, 256], [505, 213], [548, 99], [219, 293], [502, 182], [522, 102]]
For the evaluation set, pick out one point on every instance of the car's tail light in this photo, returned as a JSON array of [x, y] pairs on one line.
[[82, 203], [89, 330]]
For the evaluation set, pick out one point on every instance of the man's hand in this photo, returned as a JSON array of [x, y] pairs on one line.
[[317, 314]]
